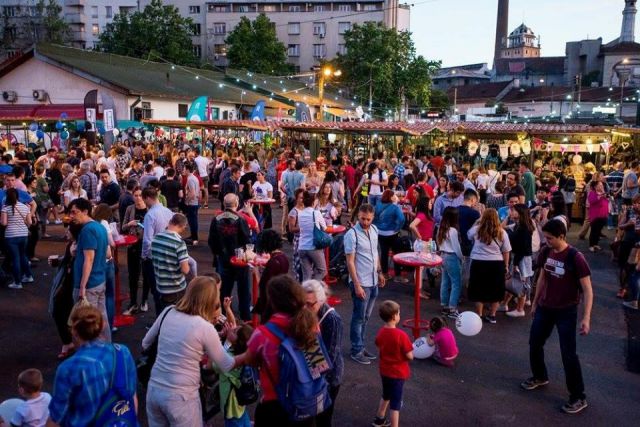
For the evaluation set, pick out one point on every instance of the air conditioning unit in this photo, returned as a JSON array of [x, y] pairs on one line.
[[10, 95], [40, 95]]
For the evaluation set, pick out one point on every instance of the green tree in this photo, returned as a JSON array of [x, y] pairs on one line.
[[53, 28], [158, 28], [439, 99], [384, 61], [254, 45]]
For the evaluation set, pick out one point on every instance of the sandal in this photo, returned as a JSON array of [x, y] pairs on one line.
[[425, 295]]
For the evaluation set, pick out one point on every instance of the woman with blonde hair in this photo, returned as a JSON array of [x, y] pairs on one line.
[[185, 333], [489, 263]]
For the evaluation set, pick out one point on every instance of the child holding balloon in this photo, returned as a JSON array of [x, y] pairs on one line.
[[395, 353], [446, 349]]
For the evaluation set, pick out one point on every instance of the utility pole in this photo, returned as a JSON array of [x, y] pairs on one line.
[[455, 100]]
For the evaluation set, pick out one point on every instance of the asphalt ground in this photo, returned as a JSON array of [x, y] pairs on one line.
[[481, 390]]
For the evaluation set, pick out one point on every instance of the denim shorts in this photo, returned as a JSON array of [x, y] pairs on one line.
[[392, 391]]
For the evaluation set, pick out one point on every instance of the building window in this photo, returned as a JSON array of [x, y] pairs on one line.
[[293, 50], [194, 9], [295, 8], [319, 51], [197, 50], [342, 49], [220, 49], [319, 29], [109, 11], [369, 7], [94, 11], [296, 69], [219, 28], [12, 33], [343, 27], [95, 29], [318, 8], [245, 8], [344, 8], [270, 8], [9, 11], [197, 29], [183, 109], [294, 28], [218, 9]]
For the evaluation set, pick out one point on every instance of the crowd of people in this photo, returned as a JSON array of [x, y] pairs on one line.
[[500, 229]]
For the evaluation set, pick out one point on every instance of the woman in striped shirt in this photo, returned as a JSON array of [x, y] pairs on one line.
[[16, 217]]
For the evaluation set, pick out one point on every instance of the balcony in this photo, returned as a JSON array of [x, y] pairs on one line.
[[78, 36], [76, 18], [75, 3]]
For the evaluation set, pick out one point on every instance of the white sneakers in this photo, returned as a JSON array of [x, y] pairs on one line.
[[515, 313]]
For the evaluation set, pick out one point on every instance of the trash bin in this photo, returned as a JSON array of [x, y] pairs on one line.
[[632, 317]]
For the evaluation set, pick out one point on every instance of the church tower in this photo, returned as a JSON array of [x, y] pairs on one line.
[[523, 43], [627, 35]]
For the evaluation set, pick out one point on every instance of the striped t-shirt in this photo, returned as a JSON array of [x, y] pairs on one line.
[[168, 250], [16, 225]]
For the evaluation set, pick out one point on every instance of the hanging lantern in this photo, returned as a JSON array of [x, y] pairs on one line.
[[515, 149], [577, 159], [504, 151]]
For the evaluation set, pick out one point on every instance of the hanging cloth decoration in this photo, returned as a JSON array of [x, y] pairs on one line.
[[484, 151], [472, 147], [606, 145], [590, 146], [515, 149], [563, 147], [526, 147], [504, 151]]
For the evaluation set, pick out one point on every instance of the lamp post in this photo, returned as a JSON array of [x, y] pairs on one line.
[[326, 72], [623, 70]]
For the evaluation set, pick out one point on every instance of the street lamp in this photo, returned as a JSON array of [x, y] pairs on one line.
[[624, 70], [326, 72]]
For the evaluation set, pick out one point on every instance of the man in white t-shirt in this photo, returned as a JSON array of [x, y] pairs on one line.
[[191, 201], [203, 170], [262, 189], [377, 181]]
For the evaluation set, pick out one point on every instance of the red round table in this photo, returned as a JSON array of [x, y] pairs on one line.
[[260, 203], [120, 319], [418, 260], [258, 261], [329, 280]]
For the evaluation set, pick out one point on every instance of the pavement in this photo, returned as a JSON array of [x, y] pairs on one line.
[[481, 390]]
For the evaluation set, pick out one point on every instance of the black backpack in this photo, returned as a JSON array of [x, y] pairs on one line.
[[570, 185]]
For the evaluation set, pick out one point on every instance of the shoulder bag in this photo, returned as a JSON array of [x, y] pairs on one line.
[[145, 362], [321, 239]]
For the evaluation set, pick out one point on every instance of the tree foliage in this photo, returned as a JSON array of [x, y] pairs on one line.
[[158, 28], [53, 28], [254, 46], [386, 60]]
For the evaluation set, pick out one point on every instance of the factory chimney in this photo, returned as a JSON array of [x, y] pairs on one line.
[[627, 35], [502, 29]]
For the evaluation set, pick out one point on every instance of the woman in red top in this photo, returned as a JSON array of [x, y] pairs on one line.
[[287, 301], [422, 225]]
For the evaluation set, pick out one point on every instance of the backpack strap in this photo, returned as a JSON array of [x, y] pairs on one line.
[[119, 380], [276, 331], [325, 314]]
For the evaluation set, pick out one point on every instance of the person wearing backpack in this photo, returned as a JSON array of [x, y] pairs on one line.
[[565, 281], [279, 349], [99, 376], [375, 180]]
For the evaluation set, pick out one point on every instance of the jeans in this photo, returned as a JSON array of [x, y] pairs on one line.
[[596, 228], [374, 200], [388, 243], [324, 419], [313, 264], [17, 251], [634, 285], [96, 297], [32, 240], [362, 309], [166, 407], [110, 291], [243, 421], [451, 285], [230, 275], [191, 213], [565, 320], [149, 282]]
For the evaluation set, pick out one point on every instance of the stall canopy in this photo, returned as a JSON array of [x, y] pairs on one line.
[[18, 113]]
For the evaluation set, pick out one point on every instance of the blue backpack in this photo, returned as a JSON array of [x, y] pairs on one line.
[[117, 408], [303, 392]]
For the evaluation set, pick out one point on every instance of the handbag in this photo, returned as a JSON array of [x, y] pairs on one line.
[[145, 362], [517, 285], [321, 239]]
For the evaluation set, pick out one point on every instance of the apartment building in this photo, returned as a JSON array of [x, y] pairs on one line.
[[88, 18], [311, 30]]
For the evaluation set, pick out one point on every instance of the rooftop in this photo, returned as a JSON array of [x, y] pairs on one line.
[[547, 65]]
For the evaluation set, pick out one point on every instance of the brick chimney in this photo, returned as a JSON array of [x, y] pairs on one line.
[[502, 29]]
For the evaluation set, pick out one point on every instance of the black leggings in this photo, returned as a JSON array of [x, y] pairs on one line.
[[272, 413], [134, 264], [388, 243], [596, 228]]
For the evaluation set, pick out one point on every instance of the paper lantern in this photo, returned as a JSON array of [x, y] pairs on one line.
[[515, 149], [577, 159], [526, 147], [484, 150]]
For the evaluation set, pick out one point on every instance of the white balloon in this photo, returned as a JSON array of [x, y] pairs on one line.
[[469, 323], [8, 408], [422, 349], [116, 132]]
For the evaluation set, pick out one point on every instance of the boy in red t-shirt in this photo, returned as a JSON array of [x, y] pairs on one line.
[[395, 352]]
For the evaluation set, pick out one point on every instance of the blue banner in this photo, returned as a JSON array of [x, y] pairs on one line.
[[258, 111], [198, 110], [302, 113]]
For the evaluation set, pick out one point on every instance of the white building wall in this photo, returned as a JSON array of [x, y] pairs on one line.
[[88, 18], [167, 109]]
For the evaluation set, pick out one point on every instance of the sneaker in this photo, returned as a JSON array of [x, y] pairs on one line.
[[444, 311], [503, 308], [380, 422], [515, 313], [532, 383], [527, 303], [27, 279], [34, 259], [14, 285], [47, 221], [453, 314], [144, 307], [400, 279], [57, 222], [489, 319], [575, 406], [361, 359], [133, 309], [368, 355], [194, 243], [631, 304]]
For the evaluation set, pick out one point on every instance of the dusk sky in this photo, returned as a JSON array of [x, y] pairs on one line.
[[463, 31]]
